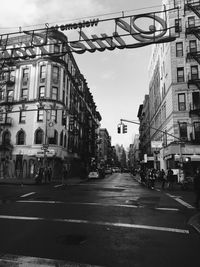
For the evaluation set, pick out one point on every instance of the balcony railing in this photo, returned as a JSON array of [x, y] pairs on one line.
[[194, 110], [193, 79]]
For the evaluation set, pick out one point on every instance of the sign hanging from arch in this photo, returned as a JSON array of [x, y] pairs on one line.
[[92, 35]]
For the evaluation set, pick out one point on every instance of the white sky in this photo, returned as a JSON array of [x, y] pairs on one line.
[[117, 79]]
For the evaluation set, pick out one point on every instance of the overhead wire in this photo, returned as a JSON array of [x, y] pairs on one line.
[[86, 17]]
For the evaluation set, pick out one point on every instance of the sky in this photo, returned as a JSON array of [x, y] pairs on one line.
[[117, 79]]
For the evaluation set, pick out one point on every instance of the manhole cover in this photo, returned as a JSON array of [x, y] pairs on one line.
[[72, 239]]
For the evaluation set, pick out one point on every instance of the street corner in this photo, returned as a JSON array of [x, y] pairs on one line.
[[194, 221]]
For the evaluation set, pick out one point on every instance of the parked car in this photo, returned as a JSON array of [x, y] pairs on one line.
[[108, 171], [94, 174]]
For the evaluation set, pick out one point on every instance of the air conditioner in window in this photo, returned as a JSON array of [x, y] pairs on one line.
[[42, 80]]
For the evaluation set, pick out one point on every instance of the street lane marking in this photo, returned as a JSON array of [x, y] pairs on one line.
[[168, 209], [29, 194], [18, 260], [180, 201], [78, 203], [101, 223], [58, 185], [90, 204]]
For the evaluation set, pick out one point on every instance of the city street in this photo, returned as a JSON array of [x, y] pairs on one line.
[[113, 221]]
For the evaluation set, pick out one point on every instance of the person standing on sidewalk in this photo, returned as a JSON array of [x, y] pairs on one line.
[[197, 187], [170, 178], [163, 178]]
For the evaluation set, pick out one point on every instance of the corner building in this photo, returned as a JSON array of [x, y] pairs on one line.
[[174, 90], [47, 112]]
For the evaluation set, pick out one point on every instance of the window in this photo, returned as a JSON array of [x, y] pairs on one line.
[[24, 93], [6, 137], [25, 73], [61, 138], [25, 76], [194, 73], [181, 102], [183, 130], [179, 49], [54, 140], [197, 131], [193, 46], [42, 73], [21, 138], [1, 94], [65, 140], [41, 92], [178, 25], [56, 48], [191, 21], [39, 135], [63, 98], [53, 115], [54, 94], [180, 75], [10, 95], [195, 100], [40, 115], [55, 75], [22, 116]]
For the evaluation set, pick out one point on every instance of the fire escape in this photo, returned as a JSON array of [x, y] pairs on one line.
[[193, 28]]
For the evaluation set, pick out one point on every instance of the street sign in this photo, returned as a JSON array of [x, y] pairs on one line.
[[45, 146], [49, 153], [156, 144]]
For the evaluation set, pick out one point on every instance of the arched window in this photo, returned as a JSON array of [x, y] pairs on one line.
[[39, 136], [54, 140], [21, 138], [6, 138]]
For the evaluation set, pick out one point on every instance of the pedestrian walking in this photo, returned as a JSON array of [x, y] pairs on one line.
[[45, 174], [49, 174], [197, 187], [163, 179], [64, 174], [39, 176], [170, 178], [142, 176], [152, 177]]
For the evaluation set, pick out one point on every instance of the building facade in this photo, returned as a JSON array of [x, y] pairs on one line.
[[47, 112], [105, 149], [174, 91]]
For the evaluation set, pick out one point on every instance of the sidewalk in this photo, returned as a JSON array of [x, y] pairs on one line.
[[28, 181], [194, 221]]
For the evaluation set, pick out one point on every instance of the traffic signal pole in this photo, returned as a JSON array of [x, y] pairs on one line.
[[180, 142]]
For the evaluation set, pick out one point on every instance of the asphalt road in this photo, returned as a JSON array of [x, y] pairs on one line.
[[113, 221]]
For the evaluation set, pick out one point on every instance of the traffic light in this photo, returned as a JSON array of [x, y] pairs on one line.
[[118, 129], [124, 128], [188, 159]]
